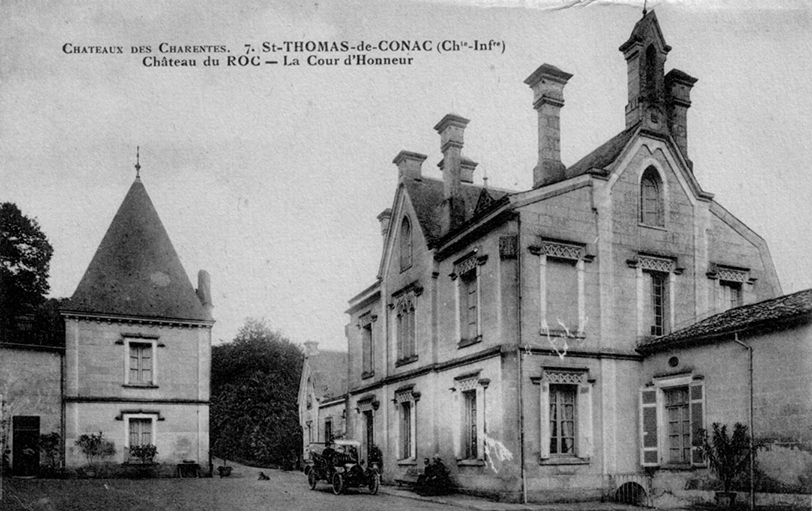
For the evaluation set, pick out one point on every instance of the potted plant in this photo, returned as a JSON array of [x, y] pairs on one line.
[[144, 454], [728, 456]]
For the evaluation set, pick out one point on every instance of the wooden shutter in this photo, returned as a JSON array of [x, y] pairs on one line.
[[697, 397], [584, 421], [649, 440], [544, 420]]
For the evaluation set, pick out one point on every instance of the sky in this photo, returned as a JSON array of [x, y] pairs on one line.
[[271, 177]]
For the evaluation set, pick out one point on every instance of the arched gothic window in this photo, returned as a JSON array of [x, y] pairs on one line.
[[405, 243], [651, 199]]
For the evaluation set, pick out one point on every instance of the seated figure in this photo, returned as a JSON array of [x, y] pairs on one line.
[[435, 479]]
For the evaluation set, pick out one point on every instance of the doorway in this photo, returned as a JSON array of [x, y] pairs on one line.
[[25, 442]]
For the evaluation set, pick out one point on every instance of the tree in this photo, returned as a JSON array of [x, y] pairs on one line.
[[25, 258], [727, 455], [254, 387]]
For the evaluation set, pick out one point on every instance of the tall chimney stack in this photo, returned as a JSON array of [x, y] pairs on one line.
[[678, 99], [548, 83], [410, 164], [451, 129], [204, 291], [385, 217]]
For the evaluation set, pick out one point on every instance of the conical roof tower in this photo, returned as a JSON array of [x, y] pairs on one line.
[[136, 271]]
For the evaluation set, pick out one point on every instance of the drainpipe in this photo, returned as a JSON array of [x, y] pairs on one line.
[[520, 386], [750, 422]]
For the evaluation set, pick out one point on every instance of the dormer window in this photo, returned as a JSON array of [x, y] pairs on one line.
[[651, 199], [405, 244]]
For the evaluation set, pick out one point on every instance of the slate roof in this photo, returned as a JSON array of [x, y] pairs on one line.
[[136, 271], [603, 156], [426, 195], [762, 314], [328, 372]]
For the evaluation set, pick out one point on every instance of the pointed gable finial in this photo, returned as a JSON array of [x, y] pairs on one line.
[[644, 7], [485, 176], [138, 162]]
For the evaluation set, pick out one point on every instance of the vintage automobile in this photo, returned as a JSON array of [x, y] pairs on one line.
[[337, 464]]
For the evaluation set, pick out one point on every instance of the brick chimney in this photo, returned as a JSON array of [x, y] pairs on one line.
[[678, 99], [451, 129], [548, 83], [385, 217], [410, 164], [204, 291]]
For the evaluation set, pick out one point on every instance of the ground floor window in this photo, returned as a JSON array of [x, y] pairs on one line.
[[469, 428], [406, 430], [562, 419], [565, 406], [369, 423], [672, 411], [328, 429], [406, 403], [140, 432], [677, 413]]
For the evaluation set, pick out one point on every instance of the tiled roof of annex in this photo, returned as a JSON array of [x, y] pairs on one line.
[[758, 315]]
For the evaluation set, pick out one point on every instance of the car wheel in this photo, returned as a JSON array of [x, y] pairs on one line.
[[338, 484], [374, 483], [312, 479]]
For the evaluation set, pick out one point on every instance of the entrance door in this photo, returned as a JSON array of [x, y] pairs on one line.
[[25, 438], [370, 432]]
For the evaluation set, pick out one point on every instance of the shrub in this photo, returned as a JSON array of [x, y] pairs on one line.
[[727, 455], [95, 446]]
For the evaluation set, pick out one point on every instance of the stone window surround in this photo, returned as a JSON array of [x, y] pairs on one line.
[[578, 377], [410, 292], [470, 262], [128, 339], [407, 394], [642, 263], [651, 163], [367, 404], [153, 417], [366, 320], [467, 382], [566, 250], [731, 274], [660, 384]]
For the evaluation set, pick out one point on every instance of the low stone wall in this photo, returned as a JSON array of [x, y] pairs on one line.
[[686, 498]]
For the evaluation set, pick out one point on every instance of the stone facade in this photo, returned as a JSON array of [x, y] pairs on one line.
[[322, 395], [138, 346], [29, 394], [716, 354], [502, 329], [98, 396]]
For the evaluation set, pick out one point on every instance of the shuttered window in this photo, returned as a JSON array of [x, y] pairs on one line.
[[469, 425], [670, 420]]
